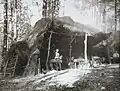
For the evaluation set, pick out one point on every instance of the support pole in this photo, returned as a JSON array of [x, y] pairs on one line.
[[108, 52], [70, 51], [85, 48], [39, 66], [48, 54]]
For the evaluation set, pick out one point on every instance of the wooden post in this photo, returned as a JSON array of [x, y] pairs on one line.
[[85, 48], [108, 52], [39, 65], [70, 51], [48, 54]]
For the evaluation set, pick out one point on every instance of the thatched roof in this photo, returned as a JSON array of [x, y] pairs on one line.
[[67, 23], [113, 38]]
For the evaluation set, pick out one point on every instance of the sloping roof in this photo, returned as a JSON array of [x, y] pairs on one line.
[[67, 23], [113, 39], [75, 26]]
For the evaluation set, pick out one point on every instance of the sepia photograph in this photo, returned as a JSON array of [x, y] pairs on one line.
[[59, 45]]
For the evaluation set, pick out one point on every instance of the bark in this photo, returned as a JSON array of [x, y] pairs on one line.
[[115, 1], [5, 32]]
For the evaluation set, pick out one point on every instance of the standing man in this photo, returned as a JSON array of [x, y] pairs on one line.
[[60, 62], [116, 57], [57, 58], [33, 62], [71, 63], [37, 61]]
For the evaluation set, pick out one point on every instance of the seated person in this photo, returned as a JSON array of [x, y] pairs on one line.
[[57, 55]]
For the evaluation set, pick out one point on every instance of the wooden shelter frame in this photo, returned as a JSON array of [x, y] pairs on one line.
[[70, 50]]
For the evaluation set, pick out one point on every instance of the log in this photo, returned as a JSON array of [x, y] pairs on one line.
[[85, 49], [48, 54]]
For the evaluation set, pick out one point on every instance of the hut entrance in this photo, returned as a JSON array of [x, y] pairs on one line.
[[61, 39]]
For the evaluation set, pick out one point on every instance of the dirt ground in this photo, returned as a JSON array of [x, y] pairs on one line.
[[107, 79], [103, 79]]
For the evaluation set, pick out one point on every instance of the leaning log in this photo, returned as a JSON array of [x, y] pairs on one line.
[[48, 54]]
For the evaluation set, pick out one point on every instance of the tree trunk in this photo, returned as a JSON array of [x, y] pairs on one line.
[[115, 1], [5, 32]]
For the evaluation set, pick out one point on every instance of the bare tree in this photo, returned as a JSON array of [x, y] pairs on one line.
[[5, 31]]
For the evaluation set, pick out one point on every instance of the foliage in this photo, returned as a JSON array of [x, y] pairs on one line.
[[103, 10]]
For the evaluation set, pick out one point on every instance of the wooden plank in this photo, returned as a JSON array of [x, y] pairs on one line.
[[69, 34], [8, 73], [12, 68], [5, 68], [9, 68], [11, 64], [15, 66]]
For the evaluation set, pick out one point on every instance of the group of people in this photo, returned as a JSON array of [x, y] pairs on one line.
[[37, 64], [75, 63]]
